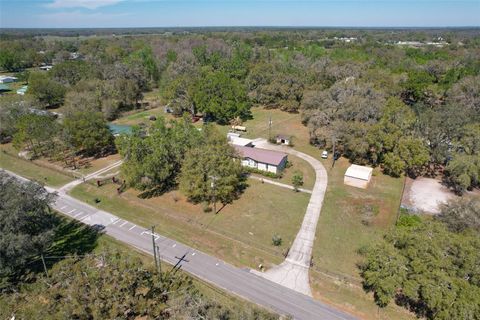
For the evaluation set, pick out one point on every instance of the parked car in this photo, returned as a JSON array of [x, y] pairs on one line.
[[324, 154]]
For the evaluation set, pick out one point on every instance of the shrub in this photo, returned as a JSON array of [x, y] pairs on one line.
[[276, 240]]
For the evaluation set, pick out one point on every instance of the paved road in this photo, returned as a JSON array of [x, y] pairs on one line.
[[208, 268], [293, 272]]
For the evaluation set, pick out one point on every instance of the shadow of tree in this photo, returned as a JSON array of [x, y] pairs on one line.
[[73, 237]]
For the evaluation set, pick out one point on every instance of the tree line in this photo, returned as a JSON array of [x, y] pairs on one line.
[[430, 267], [346, 92]]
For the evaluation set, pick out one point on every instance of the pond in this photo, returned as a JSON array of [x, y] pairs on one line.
[[119, 128]]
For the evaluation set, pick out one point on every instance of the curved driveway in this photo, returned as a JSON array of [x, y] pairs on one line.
[[293, 272]]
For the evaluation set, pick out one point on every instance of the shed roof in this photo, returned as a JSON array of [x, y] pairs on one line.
[[237, 141], [261, 155], [359, 172], [4, 87], [283, 136]]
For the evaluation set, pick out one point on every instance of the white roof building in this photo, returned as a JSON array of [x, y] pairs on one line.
[[241, 142], [7, 79], [358, 176]]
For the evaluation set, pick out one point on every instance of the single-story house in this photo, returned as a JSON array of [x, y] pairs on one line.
[[358, 176], [22, 90], [46, 67], [283, 139], [7, 79], [241, 142], [261, 159]]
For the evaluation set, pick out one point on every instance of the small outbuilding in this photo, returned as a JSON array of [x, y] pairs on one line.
[[241, 142], [22, 90], [283, 139], [358, 176]]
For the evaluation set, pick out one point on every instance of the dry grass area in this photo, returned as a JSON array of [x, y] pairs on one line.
[[136, 117], [240, 233], [47, 175], [353, 217]]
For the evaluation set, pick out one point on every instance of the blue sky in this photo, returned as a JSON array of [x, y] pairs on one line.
[[164, 13]]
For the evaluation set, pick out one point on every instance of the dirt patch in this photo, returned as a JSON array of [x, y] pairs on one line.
[[425, 194]]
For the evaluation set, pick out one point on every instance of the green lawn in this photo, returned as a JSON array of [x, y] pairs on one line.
[[30, 170], [240, 233]]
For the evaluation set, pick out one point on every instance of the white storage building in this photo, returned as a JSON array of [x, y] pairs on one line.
[[358, 176]]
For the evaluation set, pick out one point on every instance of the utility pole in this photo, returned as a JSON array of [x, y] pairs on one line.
[[44, 265], [154, 251], [159, 261], [334, 140], [270, 128], [213, 185]]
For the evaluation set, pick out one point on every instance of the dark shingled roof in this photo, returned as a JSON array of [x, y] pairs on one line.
[[261, 155]]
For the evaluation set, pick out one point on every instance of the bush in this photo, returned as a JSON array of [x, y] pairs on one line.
[[276, 240], [263, 173]]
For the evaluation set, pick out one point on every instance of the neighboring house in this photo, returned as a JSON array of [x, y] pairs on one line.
[[358, 176], [46, 68], [283, 139], [7, 79], [22, 90], [261, 159], [241, 142]]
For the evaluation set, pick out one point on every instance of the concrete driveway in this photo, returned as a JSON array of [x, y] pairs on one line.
[[293, 272]]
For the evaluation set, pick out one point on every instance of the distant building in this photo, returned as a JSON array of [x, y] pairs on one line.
[[7, 79], [241, 142], [46, 68], [283, 139], [358, 176], [22, 90], [261, 159], [4, 87]]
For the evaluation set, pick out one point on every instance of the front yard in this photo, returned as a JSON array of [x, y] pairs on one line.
[[241, 233]]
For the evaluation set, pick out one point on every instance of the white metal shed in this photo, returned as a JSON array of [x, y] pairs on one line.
[[358, 176]]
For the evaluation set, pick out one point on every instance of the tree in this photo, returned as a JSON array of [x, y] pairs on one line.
[[463, 172], [461, 214], [46, 91], [88, 133], [427, 269], [11, 109], [26, 224], [209, 171], [71, 72], [221, 97], [117, 285], [297, 180], [37, 132], [153, 162]]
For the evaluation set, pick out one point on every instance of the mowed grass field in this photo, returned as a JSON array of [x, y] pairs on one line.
[[240, 233], [353, 217], [30, 170]]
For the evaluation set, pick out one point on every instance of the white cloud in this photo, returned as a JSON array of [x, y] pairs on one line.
[[77, 19], [88, 4]]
